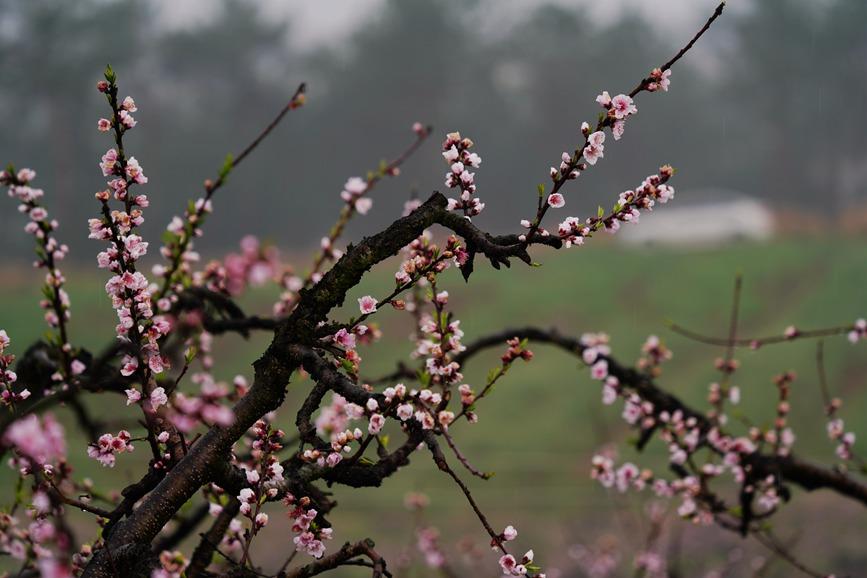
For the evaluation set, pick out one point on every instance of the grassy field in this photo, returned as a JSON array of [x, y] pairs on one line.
[[545, 420]]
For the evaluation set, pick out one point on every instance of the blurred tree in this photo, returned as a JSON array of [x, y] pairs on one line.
[[799, 71]]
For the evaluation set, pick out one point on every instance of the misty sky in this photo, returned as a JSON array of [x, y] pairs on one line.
[[317, 24]]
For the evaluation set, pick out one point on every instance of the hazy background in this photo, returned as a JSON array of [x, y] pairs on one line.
[[771, 104], [770, 107]]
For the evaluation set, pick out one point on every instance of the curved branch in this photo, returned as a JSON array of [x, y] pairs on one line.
[[805, 474], [342, 557]]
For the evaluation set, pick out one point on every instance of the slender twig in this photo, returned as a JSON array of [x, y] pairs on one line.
[[211, 187], [760, 341], [769, 541]]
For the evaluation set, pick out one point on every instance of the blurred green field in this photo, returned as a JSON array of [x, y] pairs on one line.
[[540, 427]]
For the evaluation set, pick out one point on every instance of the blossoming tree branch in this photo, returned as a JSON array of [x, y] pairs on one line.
[[233, 450]]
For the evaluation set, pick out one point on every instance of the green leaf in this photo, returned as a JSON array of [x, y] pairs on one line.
[[228, 165], [190, 354], [541, 189], [494, 374], [600, 212]]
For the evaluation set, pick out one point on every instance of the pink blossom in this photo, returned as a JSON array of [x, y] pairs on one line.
[[377, 421], [367, 304], [510, 533], [604, 99], [344, 338], [246, 497], [158, 397], [595, 149], [109, 162], [623, 106], [445, 418], [404, 411], [556, 200], [126, 119], [508, 563], [135, 246], [599, 370], [77, 367], [42, 440], [363, 205], [132, 396], [134, 171]]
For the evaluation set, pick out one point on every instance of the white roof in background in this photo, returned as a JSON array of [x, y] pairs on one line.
[[718, 217]]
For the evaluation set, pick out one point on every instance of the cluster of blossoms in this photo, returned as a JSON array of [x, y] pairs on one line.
[[39, 450], [207, 407], [511, 567], [508, 564], [428, 414], [340, 444], [660, 80], [336, 416], [254, 266], [859, 331], [353, 194], [49, 251], [349, 339], [422, 257], [33, 538], [178, 247], [618, 109], [130, 292], [263, 477], [653, 354], [628, 476], [157, 397], [309, 533], [8, 395], [38, 442], [456, 152], [107, 446], [781, 437], [570, 169], [627, 210], [441, 339], [266, 442], [685, 435], [845, 439], [333, 421], [596, 349]]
